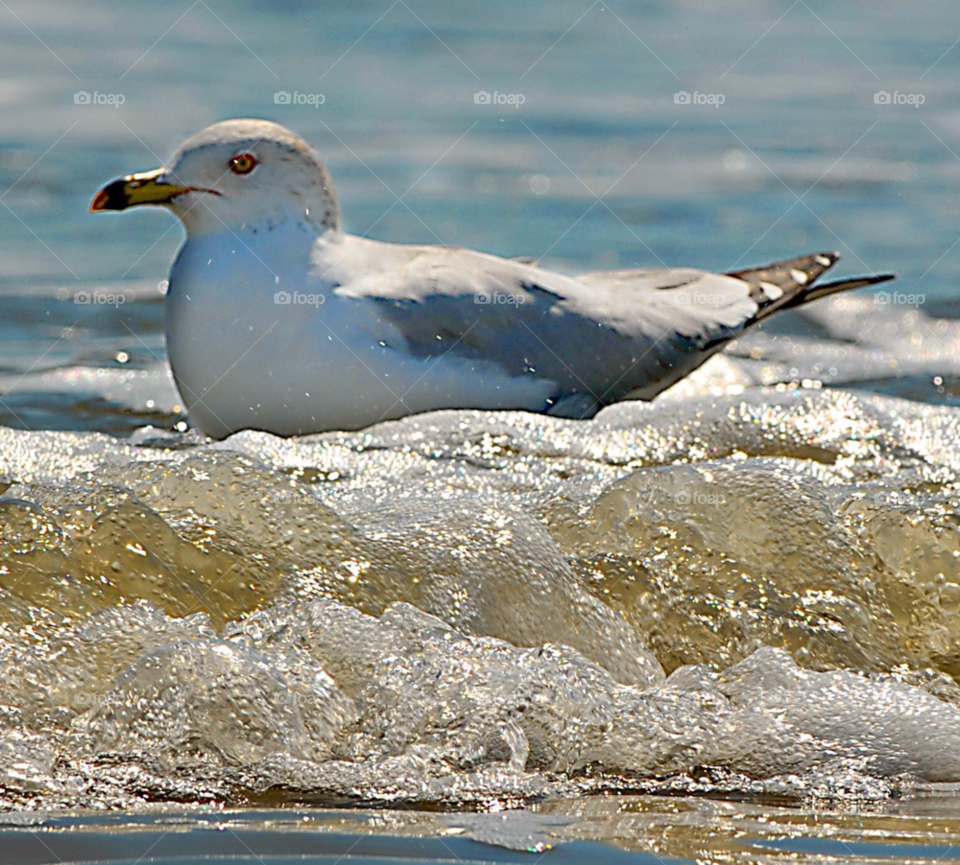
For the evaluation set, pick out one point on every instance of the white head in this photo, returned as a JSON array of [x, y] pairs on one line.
[[247, 175]]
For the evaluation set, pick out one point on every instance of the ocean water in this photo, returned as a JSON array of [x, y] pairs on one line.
[[719, 627]]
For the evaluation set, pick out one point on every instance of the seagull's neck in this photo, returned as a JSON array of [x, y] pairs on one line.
[[289, 235], [290, 214]]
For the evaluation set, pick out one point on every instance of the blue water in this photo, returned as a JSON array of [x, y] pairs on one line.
[[247, 839], [637, 830], [399, 84]]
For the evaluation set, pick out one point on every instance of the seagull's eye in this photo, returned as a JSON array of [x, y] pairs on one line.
[[243, 164]]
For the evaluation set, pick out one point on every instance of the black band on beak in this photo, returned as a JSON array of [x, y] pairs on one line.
[[113, 196]]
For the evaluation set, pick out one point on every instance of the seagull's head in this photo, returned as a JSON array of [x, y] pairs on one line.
[[244, 175]]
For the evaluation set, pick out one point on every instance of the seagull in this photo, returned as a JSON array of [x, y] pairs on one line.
[[278, 320]]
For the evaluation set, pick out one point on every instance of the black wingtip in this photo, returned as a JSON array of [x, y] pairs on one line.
[[829, 288]]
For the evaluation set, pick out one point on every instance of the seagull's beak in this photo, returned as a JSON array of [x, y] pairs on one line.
[[147, 187]]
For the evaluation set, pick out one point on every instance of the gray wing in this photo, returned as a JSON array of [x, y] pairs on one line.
[[595, 338]]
